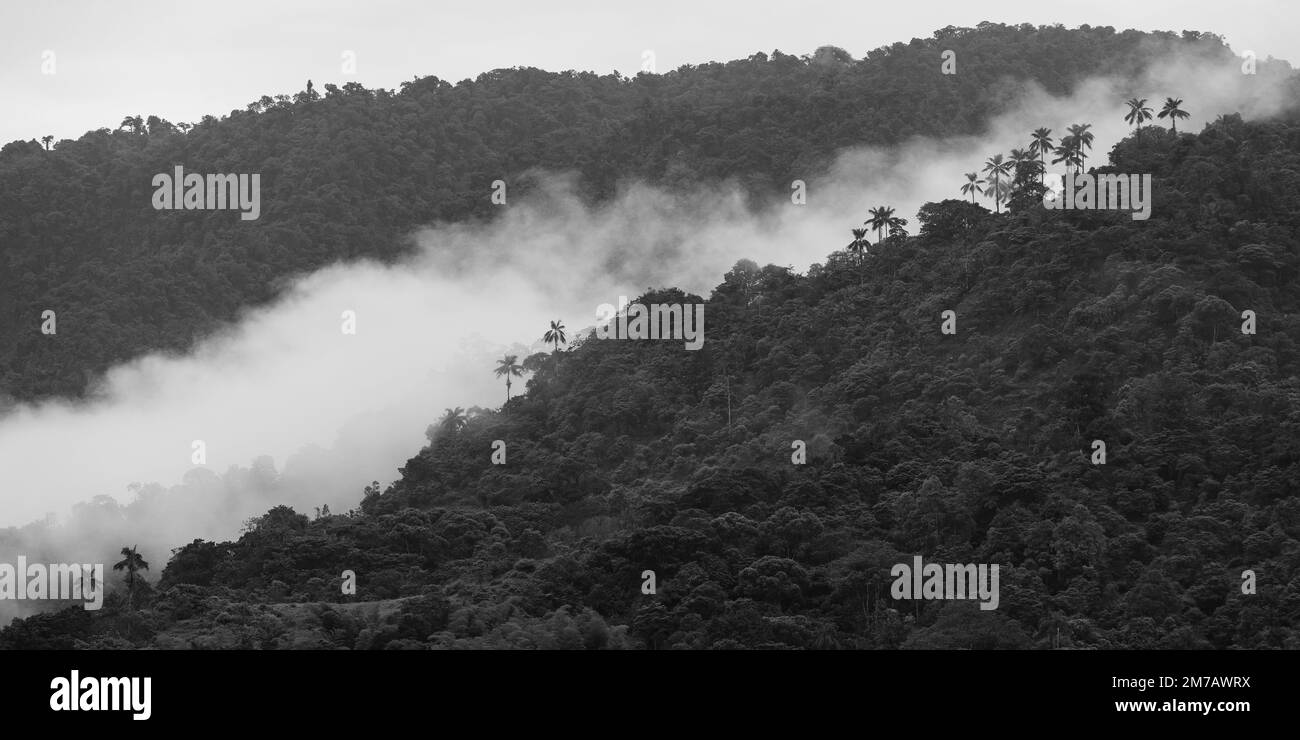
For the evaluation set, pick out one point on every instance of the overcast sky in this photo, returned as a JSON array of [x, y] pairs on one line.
[[182, 60]]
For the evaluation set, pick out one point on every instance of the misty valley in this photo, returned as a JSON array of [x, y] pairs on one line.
[[1044, 399]]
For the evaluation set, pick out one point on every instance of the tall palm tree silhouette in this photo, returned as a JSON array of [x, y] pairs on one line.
[[454, 420], [879, 220], [1083, 142], [1004, 190], [509, 366], [1067, 152], [972, 185], [998, 168], [859, 244], [1041, 145], [1137, 113], [1173, 112], [1019, 157], [555, 334]]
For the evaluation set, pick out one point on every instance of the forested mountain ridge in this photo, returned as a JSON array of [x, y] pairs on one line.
[[354, 171], [628, 456]]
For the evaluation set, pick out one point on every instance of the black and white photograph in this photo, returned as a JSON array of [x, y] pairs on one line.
[[884, 345]]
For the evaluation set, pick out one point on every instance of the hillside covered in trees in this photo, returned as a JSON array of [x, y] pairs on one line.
[[1073, 326], [352, 172]]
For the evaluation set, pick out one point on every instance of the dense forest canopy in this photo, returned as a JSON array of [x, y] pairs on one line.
[[624, 456], [351, 172]]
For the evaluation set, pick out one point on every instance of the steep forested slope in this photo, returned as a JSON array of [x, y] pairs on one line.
[[627, 456], [351, 172]]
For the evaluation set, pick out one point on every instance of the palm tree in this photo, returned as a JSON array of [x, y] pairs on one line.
[[972, 185], [887, 218], [1041, 145], [1173, 112], [454, 420], [1137, 113], [859, 244], [998, 168], [555, 334], [509, 366], [876, 222], [1019, 157], [131, 562], [46, 141], [1083, 142], [1004, 190], [880, 220], [1067, 152]]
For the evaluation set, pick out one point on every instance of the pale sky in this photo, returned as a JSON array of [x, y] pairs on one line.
[[182, 60]]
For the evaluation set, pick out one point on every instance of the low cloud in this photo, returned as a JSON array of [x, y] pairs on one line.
[[292, 410]]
